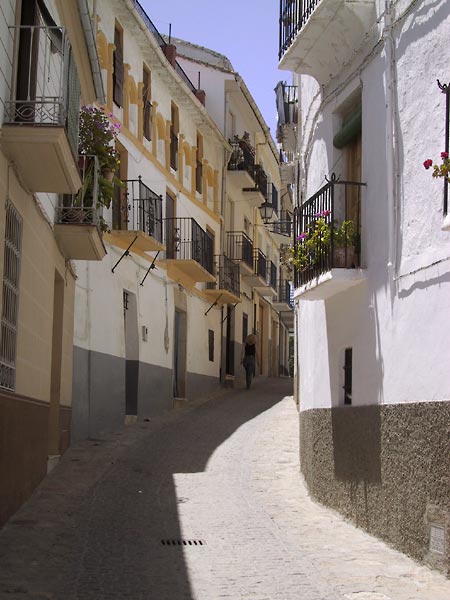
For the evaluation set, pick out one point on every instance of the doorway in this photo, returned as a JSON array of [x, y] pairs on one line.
[[179, 355], [229, 343]]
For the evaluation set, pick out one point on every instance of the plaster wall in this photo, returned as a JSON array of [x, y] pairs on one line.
[[397, 350]]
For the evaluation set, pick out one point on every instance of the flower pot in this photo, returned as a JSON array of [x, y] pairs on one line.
[[108, 174], [345, 258]]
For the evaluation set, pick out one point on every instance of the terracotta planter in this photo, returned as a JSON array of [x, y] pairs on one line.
[[345, 258], [108, 174]]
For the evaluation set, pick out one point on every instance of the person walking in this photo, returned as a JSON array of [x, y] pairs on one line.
[[249, 358]]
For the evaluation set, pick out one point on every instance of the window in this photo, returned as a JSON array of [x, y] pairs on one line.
[[211, 344], [146, 104], [174, 130], [11, 273], [118, 69], [244, 327], [199, 165], [348, 374]]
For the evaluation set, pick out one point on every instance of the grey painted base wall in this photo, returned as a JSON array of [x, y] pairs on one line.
[[386, 468], [99, 391]]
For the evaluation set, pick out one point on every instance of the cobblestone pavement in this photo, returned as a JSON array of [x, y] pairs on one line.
[[224, 472]]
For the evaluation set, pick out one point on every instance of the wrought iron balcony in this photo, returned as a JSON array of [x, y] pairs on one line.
[[283, 301], [317, 37], [226, 289], [327, 244], [287, 109], [284, 225], [78, 218], [189, 250], [240, 248], [272, 274], [137, 215], [41, 118]]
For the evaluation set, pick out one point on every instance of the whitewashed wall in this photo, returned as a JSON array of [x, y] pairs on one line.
[[398, 322]]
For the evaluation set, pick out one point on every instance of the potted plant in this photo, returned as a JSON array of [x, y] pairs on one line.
[[98, 131], [345, 245]]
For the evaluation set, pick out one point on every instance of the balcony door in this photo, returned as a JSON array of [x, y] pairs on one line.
[[353, 164]]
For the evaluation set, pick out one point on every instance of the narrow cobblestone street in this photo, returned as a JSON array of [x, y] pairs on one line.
[[224, 472]]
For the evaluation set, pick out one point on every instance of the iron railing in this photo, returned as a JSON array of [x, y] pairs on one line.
[[284, 293], [82, 207], [336, 210], [227, 275], [47, 90], [260, 264], [284, 225], [271, 275], [261, 183], [242, 156], [293, 16], [143, 208], [161, 42], [240, 247], [287, 103], [186, 240]]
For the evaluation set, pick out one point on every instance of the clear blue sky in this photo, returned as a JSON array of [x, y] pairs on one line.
[[246, 31]]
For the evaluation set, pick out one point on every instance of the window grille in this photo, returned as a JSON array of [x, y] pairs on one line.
[[348, 375], [11, 275]]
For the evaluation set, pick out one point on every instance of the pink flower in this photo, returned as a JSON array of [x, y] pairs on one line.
[[444, 155], [301, 237], [428, 163], [325, 213]]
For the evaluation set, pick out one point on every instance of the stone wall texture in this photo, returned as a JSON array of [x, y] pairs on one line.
[[386, 468]]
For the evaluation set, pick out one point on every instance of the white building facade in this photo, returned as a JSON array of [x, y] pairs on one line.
[[371, 327]]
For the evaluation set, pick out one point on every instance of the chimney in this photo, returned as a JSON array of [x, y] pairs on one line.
[[201, 95], [170, 52]]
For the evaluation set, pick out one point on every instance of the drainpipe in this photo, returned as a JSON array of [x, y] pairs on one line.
[[391, 157], [92, 49]]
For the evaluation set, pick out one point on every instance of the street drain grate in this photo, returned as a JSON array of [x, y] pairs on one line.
[[183, 542]]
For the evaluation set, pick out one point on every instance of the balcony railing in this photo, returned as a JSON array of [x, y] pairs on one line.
[[186, 240], [287, 104], [293, 16], [284, 225], [227, 276], [240, 247], [272, 274], [242, 156], [143, 209], [47, 89], [284, 293], [261, 183], [82, 208], [336, 210], [260, 264]]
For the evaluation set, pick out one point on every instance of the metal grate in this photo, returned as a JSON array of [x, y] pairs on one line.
[[183, 542], [11, 274]]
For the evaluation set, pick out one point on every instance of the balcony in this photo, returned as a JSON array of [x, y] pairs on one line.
[[226, 289], [242, 163], [317, 37], [328, 241], [287, 109], [258, 277], [138, 214], [270, 285], [189, 251], [77, 219], [240, 248], [259, 192], [41, 122], [283, 300]]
